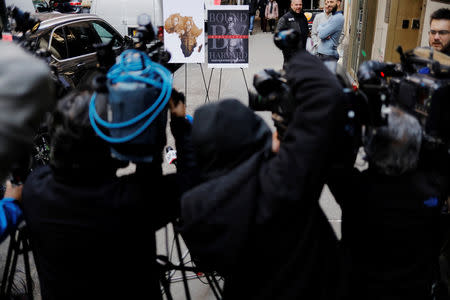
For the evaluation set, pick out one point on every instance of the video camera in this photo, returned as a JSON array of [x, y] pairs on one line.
[[420, 85], [273, 94]]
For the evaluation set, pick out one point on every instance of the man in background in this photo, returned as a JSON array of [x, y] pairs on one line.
[[439, 34], [330, 32], [318, 20], [294, 19]]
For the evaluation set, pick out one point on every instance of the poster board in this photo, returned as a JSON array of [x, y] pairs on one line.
[[228, 36], [184, 32]]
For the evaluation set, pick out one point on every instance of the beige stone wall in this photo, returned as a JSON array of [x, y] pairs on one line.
[[381, 29]]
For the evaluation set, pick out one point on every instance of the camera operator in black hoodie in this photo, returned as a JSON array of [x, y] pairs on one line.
[[92, 232], [256, 217]]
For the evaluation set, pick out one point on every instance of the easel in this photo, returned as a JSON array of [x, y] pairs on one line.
[[220, 82], [207, 87]]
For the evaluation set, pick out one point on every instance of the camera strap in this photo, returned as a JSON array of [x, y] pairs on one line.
[[134, 73]]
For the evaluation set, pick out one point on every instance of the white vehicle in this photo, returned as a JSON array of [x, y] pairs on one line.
[[123, 14], [24, 5]]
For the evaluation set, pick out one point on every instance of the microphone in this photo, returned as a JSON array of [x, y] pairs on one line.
[[171, 155]]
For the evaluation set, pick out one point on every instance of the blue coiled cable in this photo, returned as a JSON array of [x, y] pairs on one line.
[[143, 70]]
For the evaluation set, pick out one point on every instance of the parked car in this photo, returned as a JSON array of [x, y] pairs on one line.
[[70, 39], [66, 6]]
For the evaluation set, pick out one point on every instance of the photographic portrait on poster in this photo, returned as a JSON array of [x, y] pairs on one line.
[[228, 36], [184, 30]]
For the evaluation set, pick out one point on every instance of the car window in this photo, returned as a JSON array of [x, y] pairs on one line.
[[58, 44], [106, 33], [80, 38]]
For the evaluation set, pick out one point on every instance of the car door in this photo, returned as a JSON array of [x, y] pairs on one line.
[[82, 58], [106, 33], [54, 41]]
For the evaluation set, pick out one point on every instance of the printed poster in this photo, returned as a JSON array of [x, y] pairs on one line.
[[184, 32], [228, 36]]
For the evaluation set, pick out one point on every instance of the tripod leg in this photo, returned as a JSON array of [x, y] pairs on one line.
[[204, 82], [183, 272], [7, 266], [213, 287], [166, 285], [216, 284], [245, 79], [185, 80], [220, 82], [26, 260], [12, 271], [209, 84]]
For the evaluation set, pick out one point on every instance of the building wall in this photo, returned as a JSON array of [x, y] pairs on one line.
[[379, 41], [430, 8]]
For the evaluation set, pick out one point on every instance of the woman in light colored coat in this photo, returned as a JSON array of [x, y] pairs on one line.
[[271, 14]]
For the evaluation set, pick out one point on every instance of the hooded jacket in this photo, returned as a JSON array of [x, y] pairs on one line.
[[257, 219]]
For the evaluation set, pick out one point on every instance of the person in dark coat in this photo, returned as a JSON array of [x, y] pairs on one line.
[[251, 13], [92, 233], [294, 19], [391, 214], [255, 218], [262, 14]]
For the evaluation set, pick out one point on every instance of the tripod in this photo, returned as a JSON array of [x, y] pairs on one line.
[[18, 244], [167, 270]]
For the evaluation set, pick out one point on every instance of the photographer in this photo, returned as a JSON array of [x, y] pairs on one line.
[[256, 218], [92, 233], [390, 215], [26, 93]]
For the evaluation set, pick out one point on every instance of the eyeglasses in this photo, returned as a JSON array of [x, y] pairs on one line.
[[440, 32]]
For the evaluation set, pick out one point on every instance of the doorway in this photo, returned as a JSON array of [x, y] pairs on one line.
[[404, 27]]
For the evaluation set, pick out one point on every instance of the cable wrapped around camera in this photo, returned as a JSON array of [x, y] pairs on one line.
[[138, 92]]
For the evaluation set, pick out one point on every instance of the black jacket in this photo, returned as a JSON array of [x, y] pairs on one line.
[[260, 224], [262, 7], [253, 7], [298, 22], [391, 231], [93, 235]]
